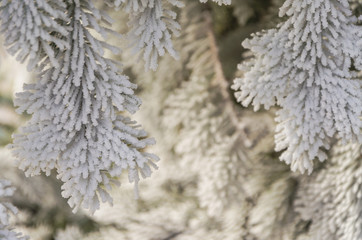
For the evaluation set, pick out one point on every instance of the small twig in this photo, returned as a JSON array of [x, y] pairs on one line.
[[224, 83]]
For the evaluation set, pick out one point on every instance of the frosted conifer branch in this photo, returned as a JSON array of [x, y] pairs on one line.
[[6, 209], [304, 67], [34, 30], [203, 137], [208, 130], [221, 176], [75, 126], [332, 199], [152, 27], [272, 211]]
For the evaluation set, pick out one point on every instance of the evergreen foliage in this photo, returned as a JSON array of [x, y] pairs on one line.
[[302, 66], [76, 127], [334, 214], [33, 28], [220, 176], [6, 209]]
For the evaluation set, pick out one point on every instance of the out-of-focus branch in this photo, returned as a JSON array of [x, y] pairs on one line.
[[224, 83]]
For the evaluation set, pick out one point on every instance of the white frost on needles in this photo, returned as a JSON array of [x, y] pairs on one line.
[[304, 66], [78, 124], [6, 209]]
